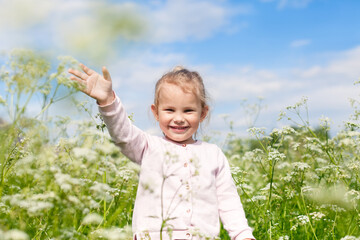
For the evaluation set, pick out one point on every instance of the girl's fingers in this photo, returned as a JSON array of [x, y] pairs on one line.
[[78, 74], [106, 74], [80, 81], [87, 70]]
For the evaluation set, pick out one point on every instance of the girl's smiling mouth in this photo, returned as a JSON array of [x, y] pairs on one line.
[[179, 129]]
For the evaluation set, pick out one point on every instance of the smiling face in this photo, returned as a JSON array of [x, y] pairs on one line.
[[179, 113]]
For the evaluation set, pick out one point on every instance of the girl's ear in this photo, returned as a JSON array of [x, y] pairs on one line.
[[155, 112], [204, 113]]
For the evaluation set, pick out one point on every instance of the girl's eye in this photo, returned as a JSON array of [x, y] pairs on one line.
[[169, 110], [188, 110]]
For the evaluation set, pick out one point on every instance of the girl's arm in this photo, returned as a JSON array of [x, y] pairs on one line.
[[131, 140], [230, 208]]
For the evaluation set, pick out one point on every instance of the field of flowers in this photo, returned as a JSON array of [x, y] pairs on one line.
[[295, 183]]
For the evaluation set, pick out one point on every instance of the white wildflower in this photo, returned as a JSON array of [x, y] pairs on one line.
[[234, 157], [44, 196], [36, 207], [235, 170], [295, 146], [15, 234], [102, 190], [275, 155], [85, 211], [347, 237], [267, 187], [306, 156], [353, 134], [355, 165], [33, 207], [92, 218], [276, 131], [347, 142], [288, 130], [65, 181], [248, 156], [4, 209], [312, 175], [257, 131], [313, 148], [112, 233], [93, 204], [294, 227], [300, 166], [106, 147], [333, 207], [325, 122], [286, 237], [73, 199], [353, 195], [85, 153], [320, 160], [290, 193], [287, 178], [306, 189], [288, 138], [302, 219], [246, 187], [258, 198], [283, 165], [301, 102], [317, 215], [282, 114]]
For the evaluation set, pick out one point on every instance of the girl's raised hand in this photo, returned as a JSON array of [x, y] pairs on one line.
[[93, 84]]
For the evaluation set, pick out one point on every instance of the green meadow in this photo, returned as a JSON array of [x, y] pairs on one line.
[[297, 182]]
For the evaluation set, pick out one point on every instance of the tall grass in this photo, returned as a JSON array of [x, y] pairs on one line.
[[295, 183]]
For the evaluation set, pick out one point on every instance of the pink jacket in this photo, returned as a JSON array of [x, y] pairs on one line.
[[187, 187]]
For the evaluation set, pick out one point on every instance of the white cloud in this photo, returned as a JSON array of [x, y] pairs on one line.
[[343, 65], [186, 19], [328, 86], [294, 3], [300, 43], [239, 83], [289, 3], [143, 68], [91, 29]]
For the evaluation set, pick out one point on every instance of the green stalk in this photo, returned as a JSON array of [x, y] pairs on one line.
[[104, 181], [18, 114], [272, 169], [50, 102], [307, 214], [162, 208]]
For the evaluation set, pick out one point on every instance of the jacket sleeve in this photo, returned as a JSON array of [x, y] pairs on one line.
[[131, 140], [231, 210]]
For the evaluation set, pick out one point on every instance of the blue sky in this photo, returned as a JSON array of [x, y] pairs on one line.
[[279, 50]]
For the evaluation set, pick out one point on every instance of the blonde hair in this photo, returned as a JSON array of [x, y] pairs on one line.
[[188, 81]]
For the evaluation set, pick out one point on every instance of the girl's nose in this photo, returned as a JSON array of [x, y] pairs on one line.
[[179, 119]]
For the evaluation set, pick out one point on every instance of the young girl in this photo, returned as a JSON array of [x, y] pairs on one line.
[[185, 184]]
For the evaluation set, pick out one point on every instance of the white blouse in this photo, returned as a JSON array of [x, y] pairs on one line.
[[184, 188]]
